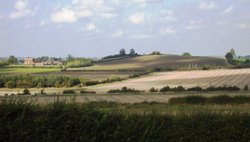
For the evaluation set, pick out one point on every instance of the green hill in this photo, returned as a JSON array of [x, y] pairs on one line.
[[158, 61]]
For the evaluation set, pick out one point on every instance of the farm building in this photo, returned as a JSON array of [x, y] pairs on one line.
[[29, 61], [52, 62]]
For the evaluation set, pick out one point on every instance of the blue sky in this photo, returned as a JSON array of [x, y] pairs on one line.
[[95, 28]]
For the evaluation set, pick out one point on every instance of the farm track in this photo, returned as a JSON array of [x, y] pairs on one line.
[[204, 79]]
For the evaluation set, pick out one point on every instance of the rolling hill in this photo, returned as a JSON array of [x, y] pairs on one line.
[[158, 61]]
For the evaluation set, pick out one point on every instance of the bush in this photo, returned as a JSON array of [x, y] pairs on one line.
[[77, 122], [153, 90], [26, 91], [69, 92], [219, 100], [124, 90], [188, 100], [245, 88], [195, 89], [87, 92]]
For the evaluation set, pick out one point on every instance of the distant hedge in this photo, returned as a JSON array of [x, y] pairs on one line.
[[75, 122], [223, 99]]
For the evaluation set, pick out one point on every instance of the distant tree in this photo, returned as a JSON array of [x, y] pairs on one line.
[[70, 57], [122, 52], [232, 51], [12, 60], [247, 61], [186, 54], [132, 52], [229, 57], [155, 53]]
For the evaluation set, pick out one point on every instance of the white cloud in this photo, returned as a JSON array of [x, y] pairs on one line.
[[84, 13], [228, 10], [168, 30], [22, 10], [64, 16], [117, 33], [80, 9], [195, 25], [168, 16], [205, 5], [42, 23], [90, 27], [137, 18]]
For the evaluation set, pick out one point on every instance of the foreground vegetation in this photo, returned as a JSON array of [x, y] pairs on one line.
[[59, 121]]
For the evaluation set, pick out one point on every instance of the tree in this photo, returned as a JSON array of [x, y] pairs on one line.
[[186, 54], [12, 60], [26, 92], [232, 51], [229, 57], [122, 52], [132, 52], [155, 53]]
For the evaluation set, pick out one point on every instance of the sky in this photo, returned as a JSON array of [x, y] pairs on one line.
[[96, 28]]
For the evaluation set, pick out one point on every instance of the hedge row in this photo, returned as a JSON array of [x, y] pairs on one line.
[[75, 122], [223, 99]]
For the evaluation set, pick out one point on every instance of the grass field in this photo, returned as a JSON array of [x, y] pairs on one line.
[[157, 61], [188, 79], [22, 70]]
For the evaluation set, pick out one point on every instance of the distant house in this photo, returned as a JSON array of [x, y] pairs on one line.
[[52, 62], [29, 61]]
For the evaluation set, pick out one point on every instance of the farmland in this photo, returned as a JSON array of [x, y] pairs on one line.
[[157, 61], [91, 75], [25, 70], [239, 77]]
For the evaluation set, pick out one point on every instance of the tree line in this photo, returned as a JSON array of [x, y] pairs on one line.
[[28, 81]]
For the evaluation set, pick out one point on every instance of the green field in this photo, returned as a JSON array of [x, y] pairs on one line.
[[22, 70], [157, 61]]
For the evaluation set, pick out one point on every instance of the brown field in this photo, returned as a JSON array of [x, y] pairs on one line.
[[158, 61], [237, 77]]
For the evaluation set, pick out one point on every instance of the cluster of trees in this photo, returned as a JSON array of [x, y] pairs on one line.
[[155, 53], [124, 90], [78, 62], [11, 60], [122, 53], [28, 81], [182, 89], [231, 58]]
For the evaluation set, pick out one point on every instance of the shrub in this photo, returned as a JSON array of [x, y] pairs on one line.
[[153, 90], [69, 92], [87, 92], [245, 88], [195, 89], [165, 89], [188, 100], [10, 84], [124, 90], [90, 83]]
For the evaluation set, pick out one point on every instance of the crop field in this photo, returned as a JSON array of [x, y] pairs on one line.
[[22, 70], [187, 79], [91, 75], [158, 61]]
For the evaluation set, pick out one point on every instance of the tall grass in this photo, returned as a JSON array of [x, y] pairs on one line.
[[21, 120]]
